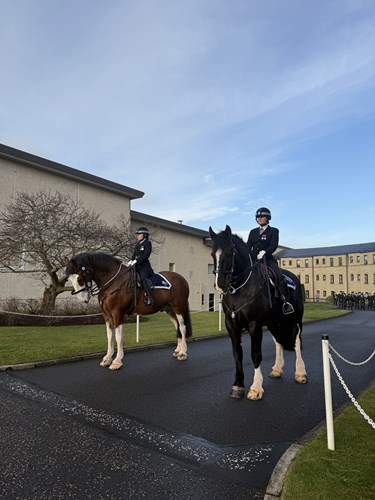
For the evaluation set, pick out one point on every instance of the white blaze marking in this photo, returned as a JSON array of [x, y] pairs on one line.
[[83, 296], [217, 258]]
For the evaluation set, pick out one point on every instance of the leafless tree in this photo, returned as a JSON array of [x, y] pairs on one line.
[[37, 230]]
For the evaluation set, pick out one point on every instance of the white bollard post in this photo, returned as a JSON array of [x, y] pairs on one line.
[[328, 393], [220, 315], [137, 334]]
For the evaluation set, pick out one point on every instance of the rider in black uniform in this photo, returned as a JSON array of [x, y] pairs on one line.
[[263, 242], [140, 259]]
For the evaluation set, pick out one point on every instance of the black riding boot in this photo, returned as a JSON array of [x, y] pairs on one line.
[[287, 307], [149, 301]]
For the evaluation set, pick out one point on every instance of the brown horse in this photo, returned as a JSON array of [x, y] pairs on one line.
[[115, 285]]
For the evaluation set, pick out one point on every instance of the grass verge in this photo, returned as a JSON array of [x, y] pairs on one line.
[[347, 473], [24, 344]]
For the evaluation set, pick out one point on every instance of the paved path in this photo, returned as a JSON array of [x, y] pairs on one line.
[[163, 429]]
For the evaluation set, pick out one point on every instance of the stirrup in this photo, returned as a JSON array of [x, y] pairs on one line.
[[149, 301], [287, 308]]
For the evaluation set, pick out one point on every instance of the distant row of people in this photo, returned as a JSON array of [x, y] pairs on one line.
[[359, 300]]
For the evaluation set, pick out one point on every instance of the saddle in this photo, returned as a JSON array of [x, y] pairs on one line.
[[157, 281]]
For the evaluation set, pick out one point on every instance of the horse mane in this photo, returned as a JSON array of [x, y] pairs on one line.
[[238, 239], [87, 258]]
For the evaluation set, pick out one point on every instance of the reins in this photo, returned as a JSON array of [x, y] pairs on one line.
[[232, 290], [94, 290]]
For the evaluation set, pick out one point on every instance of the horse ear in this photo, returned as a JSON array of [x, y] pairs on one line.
[[212, 233], [228, 230]]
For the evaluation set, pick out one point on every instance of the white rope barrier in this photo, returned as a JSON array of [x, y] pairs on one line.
[[47, 315], [327, 360]]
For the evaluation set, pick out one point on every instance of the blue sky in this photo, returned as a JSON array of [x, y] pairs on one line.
[[213, 108]]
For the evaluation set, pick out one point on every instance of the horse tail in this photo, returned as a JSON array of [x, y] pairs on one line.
[[187, 320]]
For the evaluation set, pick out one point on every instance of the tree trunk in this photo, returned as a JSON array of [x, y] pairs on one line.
[[49, 299]]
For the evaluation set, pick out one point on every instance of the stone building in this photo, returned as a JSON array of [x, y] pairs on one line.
[[323, 271], [179, 247]]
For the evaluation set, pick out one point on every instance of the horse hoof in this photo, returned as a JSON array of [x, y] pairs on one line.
[[116, 365], [276, 374], [255, 395], [237, 392], [301, 379], [182, 357], [175, 354], [106, 362]]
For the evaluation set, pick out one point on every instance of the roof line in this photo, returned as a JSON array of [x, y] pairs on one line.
[[175, 226], [65, 171]]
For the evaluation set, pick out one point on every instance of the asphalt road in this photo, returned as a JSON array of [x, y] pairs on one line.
[[163, 429]]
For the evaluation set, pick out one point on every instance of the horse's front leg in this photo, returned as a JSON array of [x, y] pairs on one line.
[[300, 375], [256, 390], [117, 362], [277, 369], [107, 360], [238, 387]]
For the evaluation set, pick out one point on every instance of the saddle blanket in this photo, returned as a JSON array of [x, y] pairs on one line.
[[289, 282], [158, 281]]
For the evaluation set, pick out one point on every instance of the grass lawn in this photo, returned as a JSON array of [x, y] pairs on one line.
[[348, 472], [24, 344]]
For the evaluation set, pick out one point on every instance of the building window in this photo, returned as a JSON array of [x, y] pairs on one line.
[[366, 279], [358, 277], [331, 261], [331, 279], [202, 300], [340, 279], [340, 261], [307, 294], [351, 259], [316, 261], [307, 279], [352, 277], [323, 261], [317, 277], [324, 293], [365, 259], [306, 262], [283, 263], [291, 262], [324, 277], [210, 269], [373, 279], [358, 259], [298, 263], [172, 267], [373, 258]]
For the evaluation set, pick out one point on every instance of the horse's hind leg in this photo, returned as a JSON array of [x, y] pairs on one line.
[[300, 375], [180, 352]]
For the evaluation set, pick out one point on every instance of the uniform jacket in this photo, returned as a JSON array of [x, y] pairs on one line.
[[267, 241], [141, 254]]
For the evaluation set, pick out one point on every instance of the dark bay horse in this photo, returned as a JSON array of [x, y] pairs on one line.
[[249, 303], [106, 276]]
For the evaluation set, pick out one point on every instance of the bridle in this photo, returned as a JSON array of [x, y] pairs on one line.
[[233, 279], [93, 289]]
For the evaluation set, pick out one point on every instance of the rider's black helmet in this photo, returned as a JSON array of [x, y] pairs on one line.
[[263, 212], [143, 230]]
